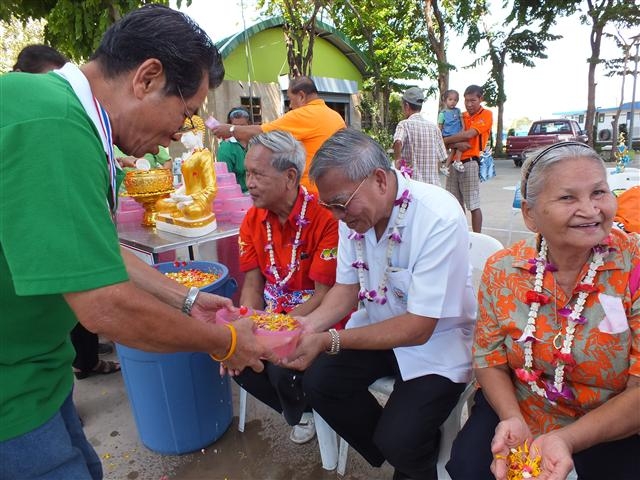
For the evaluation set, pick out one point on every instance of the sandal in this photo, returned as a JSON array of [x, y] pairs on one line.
[[103, 367]]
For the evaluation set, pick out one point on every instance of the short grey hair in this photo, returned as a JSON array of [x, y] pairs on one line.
[[539, 161], [287, 151], [355, 154]]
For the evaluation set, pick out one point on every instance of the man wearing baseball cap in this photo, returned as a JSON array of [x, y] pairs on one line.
[[418, 141]]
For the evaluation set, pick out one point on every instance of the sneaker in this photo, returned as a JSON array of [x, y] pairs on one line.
[[444, 171], [458, 166], [304, 431]]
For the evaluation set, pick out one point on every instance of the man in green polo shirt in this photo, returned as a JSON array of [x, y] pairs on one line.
[[60, 260]]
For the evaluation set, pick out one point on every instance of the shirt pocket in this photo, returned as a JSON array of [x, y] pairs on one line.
[[398, 281], [615, 318]]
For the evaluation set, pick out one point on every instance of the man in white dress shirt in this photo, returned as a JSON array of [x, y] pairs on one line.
[[403, 252]]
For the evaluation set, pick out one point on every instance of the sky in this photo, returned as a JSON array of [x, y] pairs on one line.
[[556, 84]]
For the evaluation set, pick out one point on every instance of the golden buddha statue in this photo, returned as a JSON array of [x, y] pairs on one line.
[[188, 211]]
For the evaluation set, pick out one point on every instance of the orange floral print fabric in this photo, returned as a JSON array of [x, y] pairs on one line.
[[606, 348]]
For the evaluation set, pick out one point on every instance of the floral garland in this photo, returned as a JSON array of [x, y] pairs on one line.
[[380, 294], [301, 222], [563, 357]]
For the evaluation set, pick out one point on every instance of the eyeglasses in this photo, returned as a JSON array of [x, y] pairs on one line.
[[341, 208], [186, 126]]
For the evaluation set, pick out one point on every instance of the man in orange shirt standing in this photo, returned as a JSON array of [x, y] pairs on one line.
[[310, 121], [465, 185]]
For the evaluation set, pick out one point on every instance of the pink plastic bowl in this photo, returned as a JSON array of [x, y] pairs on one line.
[[126, 204], [226, 178], [243, 202], [282, 344], [228, 191], [220, 167], [223, 217], [237, 217], [129, 216]]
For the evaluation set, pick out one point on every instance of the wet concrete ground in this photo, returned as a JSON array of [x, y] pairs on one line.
[[263, 451]]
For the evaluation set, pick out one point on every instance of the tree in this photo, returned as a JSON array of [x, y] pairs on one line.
[[14, 36], [508, 42], [436, 33], [72, 27], [392, 35], [619, 66], [597, 13], [299, 30], [441, 16]]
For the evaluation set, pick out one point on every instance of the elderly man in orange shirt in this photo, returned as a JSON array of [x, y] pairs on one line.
[[288, 248], [310, 121], [477, 122]]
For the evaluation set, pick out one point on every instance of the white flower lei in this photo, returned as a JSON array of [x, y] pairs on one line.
[[380, 294], [557, 388], [301, 221]]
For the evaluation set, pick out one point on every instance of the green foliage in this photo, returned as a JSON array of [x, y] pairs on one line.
[[393, 35], [14, 36], [75, 28], [299, 30]]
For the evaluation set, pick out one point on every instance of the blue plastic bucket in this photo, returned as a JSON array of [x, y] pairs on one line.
[[179, 401]]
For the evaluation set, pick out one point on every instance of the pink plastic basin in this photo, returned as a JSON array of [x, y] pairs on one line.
[[282, 344]]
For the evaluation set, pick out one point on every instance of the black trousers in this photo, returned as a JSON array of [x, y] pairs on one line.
[[405, 432], [471, 452], [278, 387], [86, 346]]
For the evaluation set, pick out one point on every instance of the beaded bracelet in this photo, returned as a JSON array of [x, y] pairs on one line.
[[335, 342], [232, 348]]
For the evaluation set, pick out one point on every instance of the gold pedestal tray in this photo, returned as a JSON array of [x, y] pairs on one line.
[[148, 202], [147, 187]]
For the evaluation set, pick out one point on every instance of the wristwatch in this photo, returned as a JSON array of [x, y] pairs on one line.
[[189, 300], [232, 129]]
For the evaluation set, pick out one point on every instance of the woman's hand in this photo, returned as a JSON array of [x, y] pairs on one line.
[[556, 453], [510, 433]]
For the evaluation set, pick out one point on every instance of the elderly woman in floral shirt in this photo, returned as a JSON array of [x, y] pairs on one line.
[[557, 343]]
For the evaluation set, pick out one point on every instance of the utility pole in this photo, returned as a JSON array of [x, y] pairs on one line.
[[636, 40]]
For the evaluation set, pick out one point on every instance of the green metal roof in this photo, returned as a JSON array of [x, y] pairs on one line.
[[325, 31]]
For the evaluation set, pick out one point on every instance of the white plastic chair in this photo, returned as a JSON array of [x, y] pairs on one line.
[[327, 438], [481, 247], [516, 205], [624, 180], [449, 428]]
